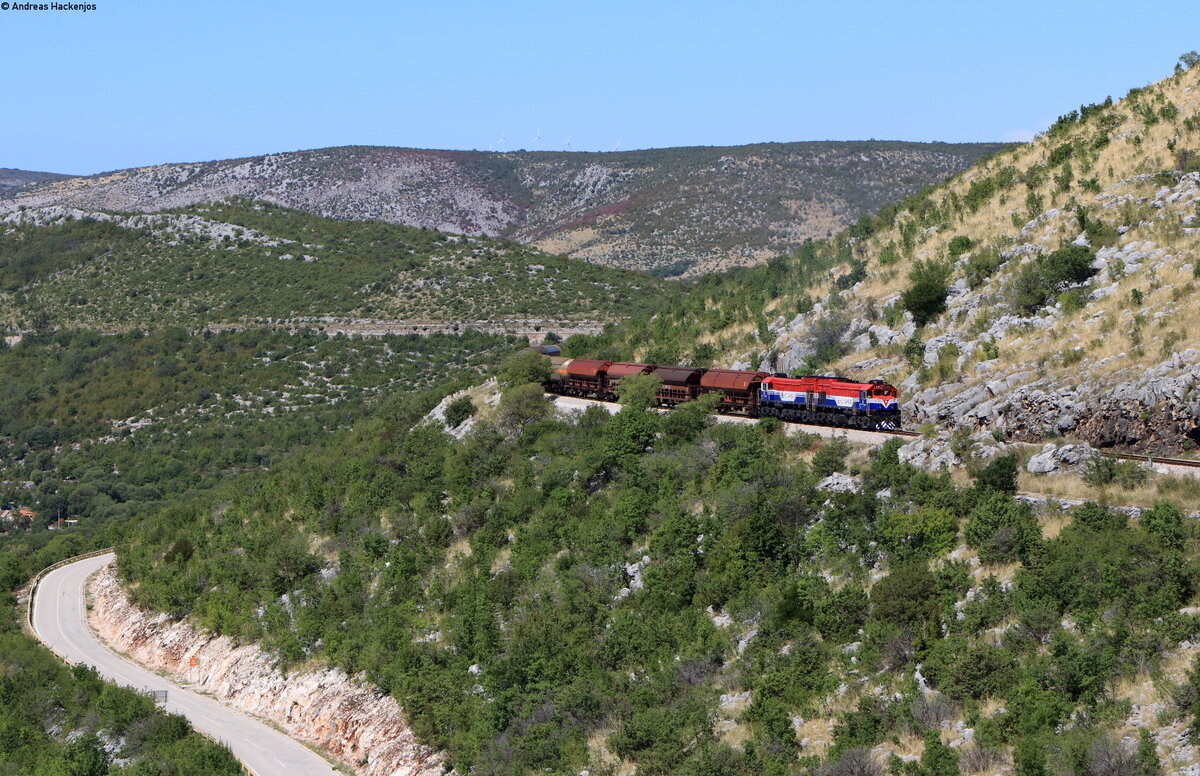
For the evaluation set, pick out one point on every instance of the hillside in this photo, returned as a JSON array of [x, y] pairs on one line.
[[14, 179], [1049, 291], [670, 211], [238, 262]]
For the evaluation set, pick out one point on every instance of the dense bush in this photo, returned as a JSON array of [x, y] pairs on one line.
[[925, 298], [1040, 281], [1001, 529]]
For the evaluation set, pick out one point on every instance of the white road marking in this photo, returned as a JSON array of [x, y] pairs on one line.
[[59, 623]]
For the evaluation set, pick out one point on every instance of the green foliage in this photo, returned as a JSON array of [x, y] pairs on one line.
[[104, 430], [638, 392], [1102, 470], [1165, 520], [918, 535], [981, 266], [999, 475], [525, 366], [459, 410], [906, 596], [830, 457], [50, 718], [925, 298], [1000, 528], [1037, 283], [88, 273], [522, 405], [959, 245]]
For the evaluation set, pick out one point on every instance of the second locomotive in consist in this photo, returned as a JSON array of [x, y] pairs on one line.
[[819, 400]]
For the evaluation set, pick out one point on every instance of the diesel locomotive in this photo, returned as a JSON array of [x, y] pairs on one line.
[[818, 400]]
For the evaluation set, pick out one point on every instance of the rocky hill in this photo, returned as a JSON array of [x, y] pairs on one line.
[[237, 262], [1050, 290], [671, 211], [14, 179]]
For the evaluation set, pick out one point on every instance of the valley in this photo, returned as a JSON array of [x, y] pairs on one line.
[[294, 392]]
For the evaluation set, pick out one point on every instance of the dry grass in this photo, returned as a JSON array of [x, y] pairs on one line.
[[910, 747], [1052, 525], [818, 732], [1183, 492], [598, 749]]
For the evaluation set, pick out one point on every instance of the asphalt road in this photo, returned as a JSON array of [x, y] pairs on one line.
[[58, 619]]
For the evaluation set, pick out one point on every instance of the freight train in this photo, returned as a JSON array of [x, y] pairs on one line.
[[819, 400]]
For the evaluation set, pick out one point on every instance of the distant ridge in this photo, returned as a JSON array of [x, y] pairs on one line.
[[670, 211], [14, 179]]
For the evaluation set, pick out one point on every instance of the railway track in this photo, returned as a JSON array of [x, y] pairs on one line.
[[864, 435], [1155, 459]]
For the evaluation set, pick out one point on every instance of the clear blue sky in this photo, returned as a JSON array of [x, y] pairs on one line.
[[152, 81]]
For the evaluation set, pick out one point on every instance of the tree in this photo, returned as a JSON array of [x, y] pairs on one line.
[[526, 366], [906, 596], [1067, 266], [1000, 475], [830, 458], [925, 299], [638, 391], [1164, 520], [521, 406], [959, 245], [918, 535], [1001, 529], [459, 410], [1190, 59]]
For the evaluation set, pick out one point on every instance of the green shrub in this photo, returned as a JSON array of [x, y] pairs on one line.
[[459, 410], [959, 245], [1038, 282], [921, 534], [830, 458], [1068, 265], [1164, 520], [840, 615], [981, 266], [525, 366], [925, 298], [906, 596], [1102, 470], [999, 475], [1001, 529]]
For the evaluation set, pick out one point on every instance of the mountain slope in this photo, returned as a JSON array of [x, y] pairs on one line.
[[1049, 290], [240, 262], [673, 211]]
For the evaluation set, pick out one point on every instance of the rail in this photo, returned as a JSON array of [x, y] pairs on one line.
[[1153, 459]]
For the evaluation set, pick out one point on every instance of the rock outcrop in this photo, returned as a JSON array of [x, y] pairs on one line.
[[351, 720]]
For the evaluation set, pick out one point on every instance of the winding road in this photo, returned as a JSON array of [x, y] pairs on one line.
[[58, 621]]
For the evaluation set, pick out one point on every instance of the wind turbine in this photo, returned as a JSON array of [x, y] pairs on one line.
[[538, 136], [568, 143], [500, 142]]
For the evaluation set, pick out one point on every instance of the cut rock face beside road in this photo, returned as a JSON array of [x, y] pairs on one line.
[[356, 723]]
